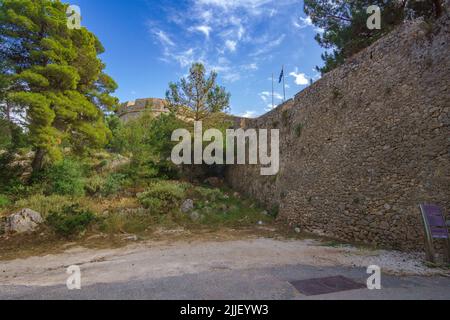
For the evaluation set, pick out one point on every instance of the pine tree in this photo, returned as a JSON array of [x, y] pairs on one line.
[[56, 77], [197, 97], [345, 23]]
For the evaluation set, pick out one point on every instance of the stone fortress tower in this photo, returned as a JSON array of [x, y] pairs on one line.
[[133, 109]]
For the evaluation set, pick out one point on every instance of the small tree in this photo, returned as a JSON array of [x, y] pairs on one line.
[[197, 97]]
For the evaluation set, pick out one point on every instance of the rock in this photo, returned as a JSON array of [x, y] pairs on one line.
[[130, 238], [25, 220], [260, 223], [187, 206], [265, 213], [195, 216], [297, 230]]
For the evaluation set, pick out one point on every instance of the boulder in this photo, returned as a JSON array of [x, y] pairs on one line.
[[187, 206], [25, 220], [195, 216]]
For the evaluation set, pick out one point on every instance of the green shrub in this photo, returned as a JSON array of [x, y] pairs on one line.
[[94, 185], [4, 201], [163, 196], [65, 178], [72, 220], [210, 194], [113, 184], [105, 186]]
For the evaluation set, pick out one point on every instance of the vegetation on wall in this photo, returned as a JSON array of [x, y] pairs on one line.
[[345, 24]]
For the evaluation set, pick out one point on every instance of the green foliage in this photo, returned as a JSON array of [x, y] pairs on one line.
[[72, 220], [113, 184], [197, 97], [148, 140], [54, 76], [298, 130], [4, 201], [64, 178], [208, 194], [105, 186], [12, 136], [44, 204], [345, 24], [163, 196]]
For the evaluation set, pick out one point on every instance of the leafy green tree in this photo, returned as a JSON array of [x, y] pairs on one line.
[[55, 77], [147, 140], [197, 97], [345, 23]]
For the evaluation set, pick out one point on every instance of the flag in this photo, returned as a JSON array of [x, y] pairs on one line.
[[281, 75]]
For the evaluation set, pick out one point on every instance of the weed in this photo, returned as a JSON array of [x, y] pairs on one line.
[[298, 130], [4, 201]]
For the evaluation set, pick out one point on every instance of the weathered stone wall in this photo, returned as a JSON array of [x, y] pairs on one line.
[[362, 147], [134, 109]]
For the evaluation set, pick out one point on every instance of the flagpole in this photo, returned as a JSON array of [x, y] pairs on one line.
[[273, 104], [284, 87]]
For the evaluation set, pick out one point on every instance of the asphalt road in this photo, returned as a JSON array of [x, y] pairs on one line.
[[252, 284]]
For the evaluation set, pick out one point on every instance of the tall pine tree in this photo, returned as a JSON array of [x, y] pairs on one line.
[[55, 78]]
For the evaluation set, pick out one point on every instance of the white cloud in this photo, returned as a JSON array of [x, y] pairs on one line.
[[249, 114], [302, 23], [300, 78], [251, 66], [251, 5], [269, 46], [231, 45], [266, 96], [270, 107], [206, 30], [163, 38]]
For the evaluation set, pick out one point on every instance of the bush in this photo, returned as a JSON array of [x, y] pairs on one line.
[[113, 184], [94, 185], [4, 201], [72, 220], [65, 178], [163, 196], [44, 204], [105, 186], [209, 194]]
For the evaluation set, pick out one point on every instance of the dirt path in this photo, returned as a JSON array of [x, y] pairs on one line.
[[159, 259]]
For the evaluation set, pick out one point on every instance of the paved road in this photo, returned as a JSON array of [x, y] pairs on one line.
[[256, 268], [266, 283]]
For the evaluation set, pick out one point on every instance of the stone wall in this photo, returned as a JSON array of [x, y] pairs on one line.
[[363, 146], [134, 109]]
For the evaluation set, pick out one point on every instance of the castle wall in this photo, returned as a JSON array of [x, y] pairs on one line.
[[365, 145]]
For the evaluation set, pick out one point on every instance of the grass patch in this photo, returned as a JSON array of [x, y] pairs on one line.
[[44, 204], [4, 201]]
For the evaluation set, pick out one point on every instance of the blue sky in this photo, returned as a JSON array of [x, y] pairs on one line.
[[150, 43]]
